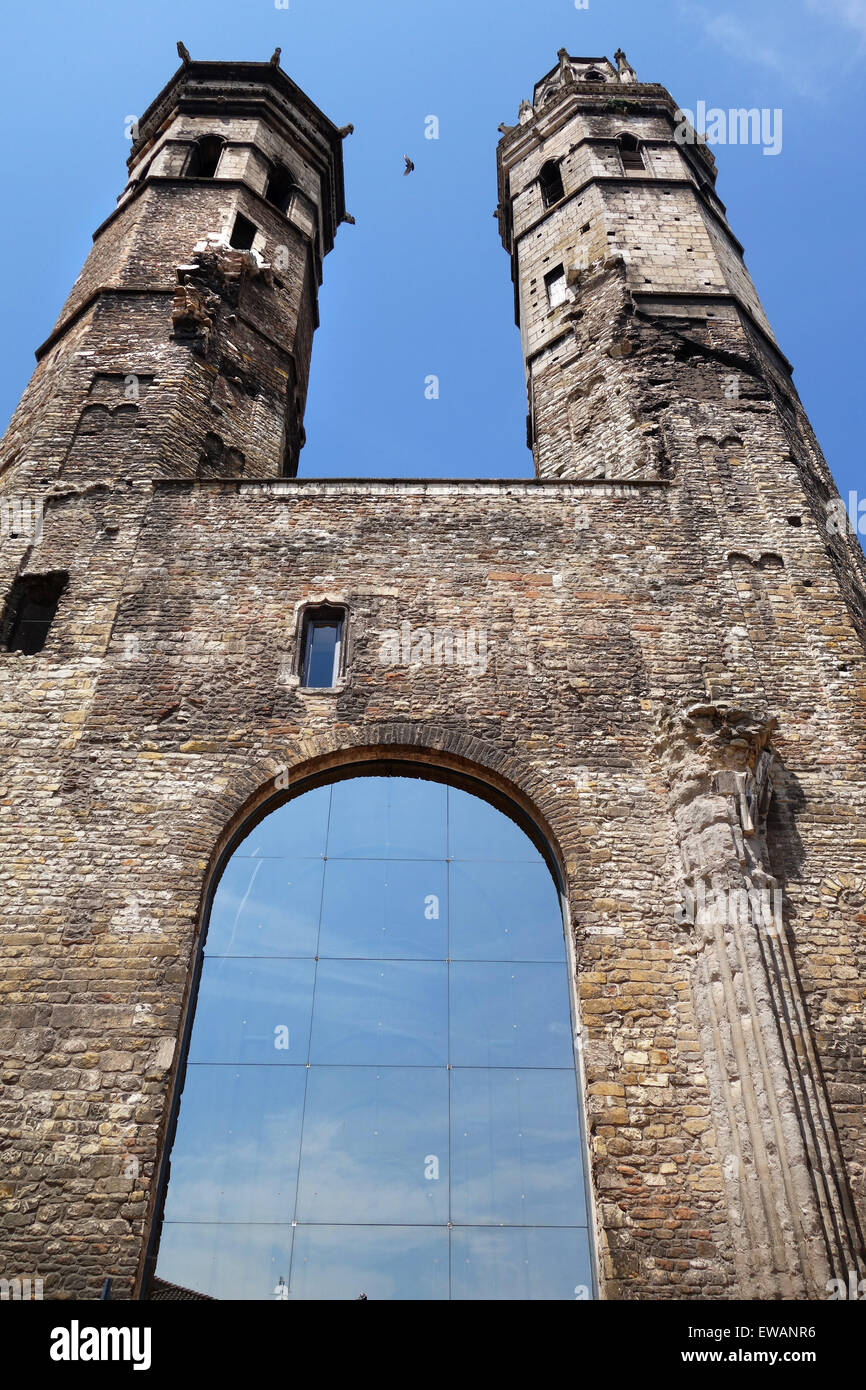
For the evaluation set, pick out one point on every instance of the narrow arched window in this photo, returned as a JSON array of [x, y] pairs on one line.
[[280, 187], [204, 157], [631, 153], [550, 180], [380, 1095]]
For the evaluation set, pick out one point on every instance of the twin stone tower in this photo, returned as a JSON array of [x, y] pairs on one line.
[[673, 693]]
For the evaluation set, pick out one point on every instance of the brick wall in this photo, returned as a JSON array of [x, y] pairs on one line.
[[649, 641]]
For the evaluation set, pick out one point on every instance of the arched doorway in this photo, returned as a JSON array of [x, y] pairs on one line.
[[380, 1094]]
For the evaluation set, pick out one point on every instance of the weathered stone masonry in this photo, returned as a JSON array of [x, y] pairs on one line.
[[675, 684]]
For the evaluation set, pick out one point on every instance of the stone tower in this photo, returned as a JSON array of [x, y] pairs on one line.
[[233, 198], [674, 613]]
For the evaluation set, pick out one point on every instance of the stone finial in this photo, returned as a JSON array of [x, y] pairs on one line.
[[565, 72], [526, 113], [624, 68], [183, 53]]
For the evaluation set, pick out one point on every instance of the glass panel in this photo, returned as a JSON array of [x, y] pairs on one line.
[[323, 636], [377, 1012], [520, 1264], [253, 1011], [243, 1262], [506, 1015], [375, 1146], [385, 908], [504, 912], [476, 830], [347, 953], [235, 1156], [387, 818], [391, 1262], [266, 907], [295, 830], [515, 1148]]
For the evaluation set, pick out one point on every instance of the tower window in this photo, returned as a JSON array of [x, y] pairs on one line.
[[554, 283], [205, 157], [550, 180], [243, 233], [322, 647], [280, 187], [30, 610], [631, 154]]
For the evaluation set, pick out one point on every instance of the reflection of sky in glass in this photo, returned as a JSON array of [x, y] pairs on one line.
[[322, 639], [381, 1093]]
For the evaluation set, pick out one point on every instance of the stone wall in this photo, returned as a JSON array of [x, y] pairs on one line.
[[667, 673], [131, 767]]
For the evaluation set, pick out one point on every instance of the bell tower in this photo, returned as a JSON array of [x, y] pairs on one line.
[[672, 697], [652, 373], [623, 259], [647, 352], [184, 346]]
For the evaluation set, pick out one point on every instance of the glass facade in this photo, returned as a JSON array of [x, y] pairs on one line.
[[381, 1094]]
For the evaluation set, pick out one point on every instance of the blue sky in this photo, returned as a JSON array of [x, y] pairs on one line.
[[421, 284]]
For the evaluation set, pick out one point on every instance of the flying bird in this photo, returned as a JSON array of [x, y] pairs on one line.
[[409, 165], [275, 57], [183, 52]]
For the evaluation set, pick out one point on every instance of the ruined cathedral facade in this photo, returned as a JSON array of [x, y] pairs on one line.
[[673, 688]]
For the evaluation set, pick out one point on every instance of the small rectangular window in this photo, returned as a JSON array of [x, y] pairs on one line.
[[555, 285], [243, 233], [322, 640], [30, 610]]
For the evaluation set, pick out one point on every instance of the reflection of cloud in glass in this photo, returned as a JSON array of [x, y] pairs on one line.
[[387, 817], [266, 907], [476, 830], [367, 1132], [318, 927], [238, 1262], [377, 908], [242, 1001], [381, 1012], [519, 1264], [515, 1148], [504, 912], [338, 1262], [510, 1014], [235, 1155]]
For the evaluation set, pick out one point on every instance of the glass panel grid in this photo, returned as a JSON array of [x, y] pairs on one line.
[[394, 1038]]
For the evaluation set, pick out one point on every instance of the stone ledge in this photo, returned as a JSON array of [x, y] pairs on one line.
[[523, 487]]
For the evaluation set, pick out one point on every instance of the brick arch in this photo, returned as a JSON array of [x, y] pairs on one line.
[[253, 792], [274, 778], [284, 772]]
